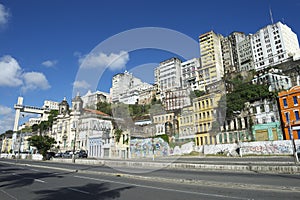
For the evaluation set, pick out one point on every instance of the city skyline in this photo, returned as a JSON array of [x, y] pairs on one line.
[[41, 52]]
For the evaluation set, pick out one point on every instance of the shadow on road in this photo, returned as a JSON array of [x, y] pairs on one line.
[[12, 180], [86, 192]]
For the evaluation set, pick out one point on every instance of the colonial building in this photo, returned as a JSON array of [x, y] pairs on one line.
[[274, 79], [186, 124], [205, 111], [87, 129], [94, 133], [289, 105]]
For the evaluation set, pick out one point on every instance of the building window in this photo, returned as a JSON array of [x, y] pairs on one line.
[[287, 116], [285, 103], [295, 100], [297, 115]]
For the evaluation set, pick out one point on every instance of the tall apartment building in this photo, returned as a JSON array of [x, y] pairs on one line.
[[125, 88], [211, 57], [168, 75], [189, 73], [229, 46], [245, 56], [272, 45]]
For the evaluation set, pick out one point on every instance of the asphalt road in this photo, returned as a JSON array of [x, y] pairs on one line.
[[35, 181]]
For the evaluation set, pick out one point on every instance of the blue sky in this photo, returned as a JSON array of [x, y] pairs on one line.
[[43, 43]]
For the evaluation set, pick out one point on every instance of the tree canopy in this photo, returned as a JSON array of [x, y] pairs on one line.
[[42, 143]]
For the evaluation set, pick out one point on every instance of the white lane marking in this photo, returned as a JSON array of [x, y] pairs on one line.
[[38, 180], [159, 188], [11, 196], [81, 191], [35, 170], [35, 179]]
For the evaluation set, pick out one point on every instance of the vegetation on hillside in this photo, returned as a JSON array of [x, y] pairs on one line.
[[243, 92]]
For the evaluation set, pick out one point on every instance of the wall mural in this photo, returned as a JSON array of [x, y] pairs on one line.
[[140, 148]]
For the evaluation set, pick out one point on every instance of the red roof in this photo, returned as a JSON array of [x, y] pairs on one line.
[[97, 112]]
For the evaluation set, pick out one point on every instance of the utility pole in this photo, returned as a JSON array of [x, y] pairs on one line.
[[293, 140], [74, 144]]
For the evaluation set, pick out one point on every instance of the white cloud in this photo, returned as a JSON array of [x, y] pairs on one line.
[[34, 81], [49, 63], [10, 72], [6, 119], [4, 14], [101, 60], [81, 85], [12, 75]]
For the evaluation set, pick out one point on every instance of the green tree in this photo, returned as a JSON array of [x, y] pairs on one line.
[[9, 132], [104, 107], [42, 143], [118, 134]]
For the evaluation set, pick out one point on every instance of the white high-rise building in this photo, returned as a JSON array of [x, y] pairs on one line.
[[90, 99], [190, 75], [272, 45], [168, 74], [245, 56], [125, 88]]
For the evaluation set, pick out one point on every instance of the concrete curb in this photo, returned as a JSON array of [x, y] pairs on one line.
[[246, 167], [172, 180]]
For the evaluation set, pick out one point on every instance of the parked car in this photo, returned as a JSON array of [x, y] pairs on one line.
[[58, 155], [82, 154], [67, 154], [50, 155]]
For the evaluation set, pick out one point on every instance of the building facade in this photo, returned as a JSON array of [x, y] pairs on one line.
[[205, 108], [289, 105], [273, 44], [211, 57], [168, 75], [126, 88]]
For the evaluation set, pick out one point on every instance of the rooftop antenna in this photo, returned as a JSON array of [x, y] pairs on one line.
[[271, 15]]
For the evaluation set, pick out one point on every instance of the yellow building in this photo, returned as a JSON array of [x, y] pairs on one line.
[[6, 144], [211, 57], [164, 123], [186, 124], [120, 147], [204, 116]]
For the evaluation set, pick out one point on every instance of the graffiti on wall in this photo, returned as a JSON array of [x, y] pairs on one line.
[[279, 147], [141, 148], [268, 147]]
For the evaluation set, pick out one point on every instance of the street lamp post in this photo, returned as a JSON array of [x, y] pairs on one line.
[[293, 140], [74, 144]]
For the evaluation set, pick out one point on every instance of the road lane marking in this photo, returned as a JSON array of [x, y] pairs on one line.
[[76, 190], [11, 196], [159, 188], [35, 170], [38, 180]]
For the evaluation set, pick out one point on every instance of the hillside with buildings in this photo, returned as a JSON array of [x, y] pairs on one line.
[[241, 88]]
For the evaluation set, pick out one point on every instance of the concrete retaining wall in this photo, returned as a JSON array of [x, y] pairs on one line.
[[279, 147]]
